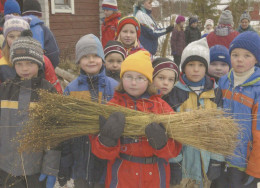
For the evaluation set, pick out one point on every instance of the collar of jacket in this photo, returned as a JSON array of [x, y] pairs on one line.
[[99, 78], [240, 29]]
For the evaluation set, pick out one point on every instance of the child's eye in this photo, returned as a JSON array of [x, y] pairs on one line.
[[171, 80], [161, 78]]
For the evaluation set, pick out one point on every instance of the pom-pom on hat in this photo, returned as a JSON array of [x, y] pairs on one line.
[[248, 40], [12, 7], [138, 62], [128, 20], [245, 15], [114, 46], [226, 18], [163, 63], [32, 7], [180, 19], [25, 48], [220, 53], [109, 5]]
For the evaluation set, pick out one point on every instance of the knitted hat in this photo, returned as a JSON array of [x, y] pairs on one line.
[[138, 62], [109, 5], [180, 19], [15, 23], [195, 51], [89, 44], [226, 18], [245, 15], [25, 48], [114, 46], [209, 22], [220, 53], [248, 40], [128, 20], [32, 7], [163, 63], [11, 7], [192, 20]]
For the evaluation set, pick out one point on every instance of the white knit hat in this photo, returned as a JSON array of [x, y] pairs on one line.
[[245, 15], [109, 5], [226, 18], [209, 22]]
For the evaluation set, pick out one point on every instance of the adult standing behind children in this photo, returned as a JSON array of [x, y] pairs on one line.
[[150, 31], [32, 9], [192, 32], [110, 22], [245, 19], [224, 32]]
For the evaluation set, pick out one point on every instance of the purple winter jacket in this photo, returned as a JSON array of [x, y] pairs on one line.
[[177, 41]]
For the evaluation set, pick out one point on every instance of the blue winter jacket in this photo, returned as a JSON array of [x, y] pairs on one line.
[[46, 38]]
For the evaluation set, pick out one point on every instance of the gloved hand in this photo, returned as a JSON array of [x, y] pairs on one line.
[[176, 173], [169, 28], [247, 180], [50, 180], [156, 134], [111, 129], [214, 169]]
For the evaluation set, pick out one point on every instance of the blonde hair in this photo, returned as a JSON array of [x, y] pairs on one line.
[[135, 44], [6, 52]]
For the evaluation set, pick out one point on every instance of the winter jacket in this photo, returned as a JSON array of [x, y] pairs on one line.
[[192, 34], [243, 101], [222, 36], [2, 3], [126, 173], [177, 41], [6, 70], [16, 96], [44, 35], [84, 164], [109, 28], [150, 31], [249, 28], [183, 99]]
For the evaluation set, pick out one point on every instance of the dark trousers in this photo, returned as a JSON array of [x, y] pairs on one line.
[[81, 183], [32, 181], [177, 60]]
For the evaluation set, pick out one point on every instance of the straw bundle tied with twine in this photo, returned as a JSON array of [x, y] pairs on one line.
[[57, 118]]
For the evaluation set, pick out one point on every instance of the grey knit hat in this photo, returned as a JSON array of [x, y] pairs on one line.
[[89, 44], [226, 18], [25, 48], [245, 15]]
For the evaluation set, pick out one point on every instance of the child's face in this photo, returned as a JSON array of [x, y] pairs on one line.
[[164, 81], [12, 36], [108, 12], [134, 83], [113, 62], [244, 23], [242, 60], [194, 25], [90, 64], [148, 4], [128, 35], [208, 27], [26, 69], [195, 71], [218, 68]]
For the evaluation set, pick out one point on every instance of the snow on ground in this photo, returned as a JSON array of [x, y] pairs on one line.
[[70, 184]]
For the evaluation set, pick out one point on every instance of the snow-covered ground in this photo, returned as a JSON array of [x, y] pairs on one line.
[[70, 184]]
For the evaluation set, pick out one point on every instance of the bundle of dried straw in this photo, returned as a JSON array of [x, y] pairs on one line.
[[57, 118]]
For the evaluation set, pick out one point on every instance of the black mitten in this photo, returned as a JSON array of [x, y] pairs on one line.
[[111, 129], [169, 29], [156, 134]]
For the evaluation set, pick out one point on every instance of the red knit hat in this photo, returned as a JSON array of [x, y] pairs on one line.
[[128, 20]]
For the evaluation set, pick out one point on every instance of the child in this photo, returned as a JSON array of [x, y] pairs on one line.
[[128, 33], [241, 93], [110, 22], [196, 90], [139, 161], [219, 62], [192, 32], [92, 84], [208, 27], [245, 19], [23, 169], [114, 55]]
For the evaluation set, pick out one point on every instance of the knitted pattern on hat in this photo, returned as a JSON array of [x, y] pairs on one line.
[[226, 18], [138, 62], [89, 44], [25, 48], [11, 7], [128, 20], [245, 15], [109, 5], [192, 20], [180, 19], [32, 7], [15, 23], [248, 40], [195, 51], [114, 46], [209, 22], [162, 63], [220, 53]]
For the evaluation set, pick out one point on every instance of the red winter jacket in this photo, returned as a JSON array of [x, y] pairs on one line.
[[2, 4], [128, 174], [109, 28]]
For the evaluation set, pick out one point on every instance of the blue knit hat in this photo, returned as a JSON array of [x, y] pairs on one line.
[[11, 7], [248, 40], [220, 53]]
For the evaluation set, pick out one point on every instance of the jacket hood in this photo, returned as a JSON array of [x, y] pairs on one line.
[[35, 20]]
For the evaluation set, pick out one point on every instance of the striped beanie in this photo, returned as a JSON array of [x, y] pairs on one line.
[[109, 5], [163, 63], [114, 46], [128, 20], [25, 48], [15, 23]]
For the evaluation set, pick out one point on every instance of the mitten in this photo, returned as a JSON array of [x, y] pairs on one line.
[[50, 180], [214, 169], [156, 134], [176, 173], [111, 129], [169, 29]]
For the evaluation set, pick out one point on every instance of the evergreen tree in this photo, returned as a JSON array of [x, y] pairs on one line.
[[237, 7], [125, 7]]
